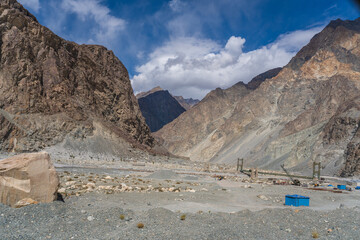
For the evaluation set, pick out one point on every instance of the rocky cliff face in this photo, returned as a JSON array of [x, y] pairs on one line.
[[52, 89], [159, 108], [307, 112]]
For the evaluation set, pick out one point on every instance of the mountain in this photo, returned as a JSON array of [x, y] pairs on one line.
[[144, 94], [159, 107], [186, 103], [308, 112], [56, 92]]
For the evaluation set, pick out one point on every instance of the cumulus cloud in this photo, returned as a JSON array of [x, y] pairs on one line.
[[107, 27], [32, 4], [192, 67]]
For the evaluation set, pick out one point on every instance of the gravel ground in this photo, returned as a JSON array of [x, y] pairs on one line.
[[234, 208], [67, 221]]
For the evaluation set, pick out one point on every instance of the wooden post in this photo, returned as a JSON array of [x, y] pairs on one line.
[[242, 164], [316, 172], [238, 164], [252, 173]]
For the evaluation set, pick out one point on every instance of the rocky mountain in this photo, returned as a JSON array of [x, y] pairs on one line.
[[159, 107], [53, 91], [202, 121], [144, 94], [308, 112], [186, 103]]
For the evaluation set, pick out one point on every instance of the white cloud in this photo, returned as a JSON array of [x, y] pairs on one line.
[[176, 5], [192, 67], [32, 4], [108, 26]]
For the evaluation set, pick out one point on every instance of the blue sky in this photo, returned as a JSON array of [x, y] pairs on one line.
[[190, 47]]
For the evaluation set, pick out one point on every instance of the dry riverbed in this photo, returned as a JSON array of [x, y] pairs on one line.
[[117, 204]]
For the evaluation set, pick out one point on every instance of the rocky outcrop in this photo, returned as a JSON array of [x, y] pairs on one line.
[[28, 176], [52, 89], [307, 112], [159, 108]]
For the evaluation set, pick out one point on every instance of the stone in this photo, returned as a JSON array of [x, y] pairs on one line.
[[29, 175], [70, 183], [90, 185], [25, 202], [263, 197], [62, 190]]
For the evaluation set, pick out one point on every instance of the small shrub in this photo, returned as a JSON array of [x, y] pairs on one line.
[[183, 217], [140, 225], [315, 234], [122, 217]]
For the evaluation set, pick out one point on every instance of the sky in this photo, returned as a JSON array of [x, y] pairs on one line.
[[191, 47]]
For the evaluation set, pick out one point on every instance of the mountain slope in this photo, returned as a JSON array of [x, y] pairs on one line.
[[54, 91], [195, 132], [159, 108], [308, 112], [186, 103]]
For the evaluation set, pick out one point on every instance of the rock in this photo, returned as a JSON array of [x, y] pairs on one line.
[[90, 185], [25, 202], [263, 197], [70, 183], [29, 175], [190, 190], [62, 190], [90, 218]]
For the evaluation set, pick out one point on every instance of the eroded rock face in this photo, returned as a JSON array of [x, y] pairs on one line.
[[306, 113], [28, 176], [51, 88]]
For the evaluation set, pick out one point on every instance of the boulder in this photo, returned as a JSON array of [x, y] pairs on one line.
[[29, 175], [25, 202]]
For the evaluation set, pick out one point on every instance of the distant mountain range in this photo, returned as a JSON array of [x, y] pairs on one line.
[[159, 107], [308, 111]]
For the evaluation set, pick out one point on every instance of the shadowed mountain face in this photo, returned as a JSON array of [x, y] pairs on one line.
[[52, 90], [159, 108], [308, 112]]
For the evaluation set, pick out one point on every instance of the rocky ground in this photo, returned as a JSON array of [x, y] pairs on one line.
[[139, 203]]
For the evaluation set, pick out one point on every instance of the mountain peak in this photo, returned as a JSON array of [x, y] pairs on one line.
[[144, 94], [329, 38]]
